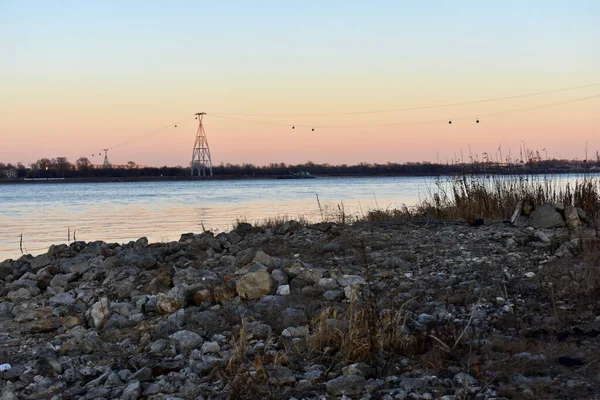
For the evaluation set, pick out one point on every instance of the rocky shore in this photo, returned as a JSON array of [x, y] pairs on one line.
[[365, 311]]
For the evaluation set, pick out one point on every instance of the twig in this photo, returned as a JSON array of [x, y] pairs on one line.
[[447, 348], [21, 244], [588, 364], [468, 324], [320, 208]]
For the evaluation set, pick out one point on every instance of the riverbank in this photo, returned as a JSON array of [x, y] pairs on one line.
[[484, 173], [293, 310]]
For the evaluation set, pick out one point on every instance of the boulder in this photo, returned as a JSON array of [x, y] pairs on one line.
[[19, 295], [263, 258], [6, 268], [172, 301], [305, 272], [224, 293], [100, 312], [288, 227], [347, 385], [255, 285], [203, 296], [186, 341], [572, 218], [210, 347], [546, 216], [62, 299], [132, 391]]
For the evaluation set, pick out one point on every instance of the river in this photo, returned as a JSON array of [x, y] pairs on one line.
[[53, 213]]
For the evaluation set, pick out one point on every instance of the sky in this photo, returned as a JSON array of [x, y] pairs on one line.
[[80, 76]]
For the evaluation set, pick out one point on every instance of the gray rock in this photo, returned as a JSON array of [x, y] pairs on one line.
[[295, 332], [331, 247], [143, 375], [6, 268], [185, 341], [289, 227], [361, 369], [6, 308], [461, 379], [355, 292], [348, 385], [546, 216], [62, 280], [425, 319], [210, 347], [113, 380], [347, 280], [281, 376], [132, 391], [260, 331], [521, 221], [264, 259], [572, 218], [334, 295], [328, 284], [279, 277], [39, 262], [141, 243], [294, 317], [62, 299], [19, 295]]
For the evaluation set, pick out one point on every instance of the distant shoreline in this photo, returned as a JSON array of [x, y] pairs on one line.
[[262, 177], [183, 179]]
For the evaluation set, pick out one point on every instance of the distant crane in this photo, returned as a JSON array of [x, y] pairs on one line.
[[201, 161]]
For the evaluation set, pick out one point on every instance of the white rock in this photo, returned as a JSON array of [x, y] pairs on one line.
[[100, 312], [283, 290]]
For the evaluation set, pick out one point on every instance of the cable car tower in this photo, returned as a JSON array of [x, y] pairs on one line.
[[106, 163], [201, 154]]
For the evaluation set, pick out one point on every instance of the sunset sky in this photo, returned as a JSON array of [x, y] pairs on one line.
[[80, 76]]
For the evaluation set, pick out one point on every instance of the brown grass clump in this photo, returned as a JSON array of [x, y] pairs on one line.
[[247, 377], [493, 197], [363, 333]]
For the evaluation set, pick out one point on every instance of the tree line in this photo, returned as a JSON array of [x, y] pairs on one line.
[[60, 167]]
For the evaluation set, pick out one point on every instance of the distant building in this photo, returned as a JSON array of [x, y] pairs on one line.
[[11, 173], [124, 166]]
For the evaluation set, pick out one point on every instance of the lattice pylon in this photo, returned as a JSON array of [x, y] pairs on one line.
[[201, 155], [106, 164]]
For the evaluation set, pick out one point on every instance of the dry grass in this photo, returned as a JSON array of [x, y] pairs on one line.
[[493, 197], [363, 333], [246, 375], [274, 222]]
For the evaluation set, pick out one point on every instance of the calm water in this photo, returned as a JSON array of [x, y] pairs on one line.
[[161, 211]]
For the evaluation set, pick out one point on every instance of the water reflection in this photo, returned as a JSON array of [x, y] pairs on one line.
[[119, 212]]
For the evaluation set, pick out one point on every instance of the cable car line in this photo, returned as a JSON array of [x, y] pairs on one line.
[[478, 117], [410, 108]]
